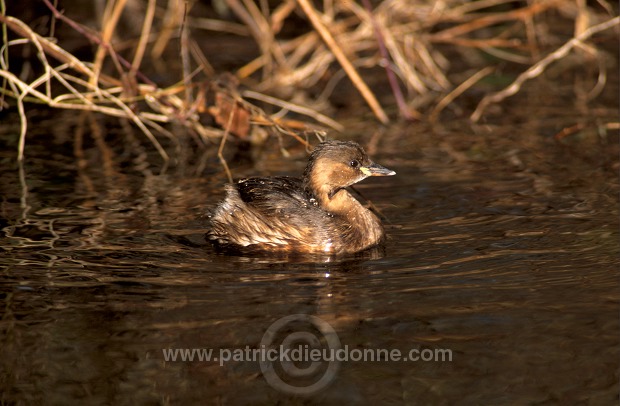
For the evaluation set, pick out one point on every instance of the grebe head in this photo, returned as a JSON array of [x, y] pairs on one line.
[[334, 165]]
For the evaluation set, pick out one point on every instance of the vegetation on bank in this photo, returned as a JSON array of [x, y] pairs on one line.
[[305, 49]]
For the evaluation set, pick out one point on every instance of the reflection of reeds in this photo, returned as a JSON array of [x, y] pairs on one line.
[[413, 41]]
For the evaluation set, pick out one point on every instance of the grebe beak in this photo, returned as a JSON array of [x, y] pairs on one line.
[[376, 170]]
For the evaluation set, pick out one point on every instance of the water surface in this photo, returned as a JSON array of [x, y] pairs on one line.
[[502, 248]]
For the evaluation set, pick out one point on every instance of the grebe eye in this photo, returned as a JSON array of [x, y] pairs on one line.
[[354, 163]]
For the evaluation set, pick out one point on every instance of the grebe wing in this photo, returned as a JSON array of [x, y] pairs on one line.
[[274, 193]]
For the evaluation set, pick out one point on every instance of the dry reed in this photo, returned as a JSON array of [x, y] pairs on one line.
[[412, 41]]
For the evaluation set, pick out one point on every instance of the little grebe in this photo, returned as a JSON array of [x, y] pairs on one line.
[[314, 214]]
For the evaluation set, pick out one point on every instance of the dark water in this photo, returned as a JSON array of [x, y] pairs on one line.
[[503, 249]]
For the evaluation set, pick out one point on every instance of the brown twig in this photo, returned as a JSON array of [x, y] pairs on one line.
[[294, 107], [405, 111], [343, 60], [94, 39], [566, 131], [220, 150], [522, 13], [185, 60], [109, 25], [144, 38], [458, 91]]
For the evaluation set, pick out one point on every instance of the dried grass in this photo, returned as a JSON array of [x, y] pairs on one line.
[[70, 83], [407, 39]]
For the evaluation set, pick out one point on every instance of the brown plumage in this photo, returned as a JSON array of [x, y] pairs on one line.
[[311, 214]]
